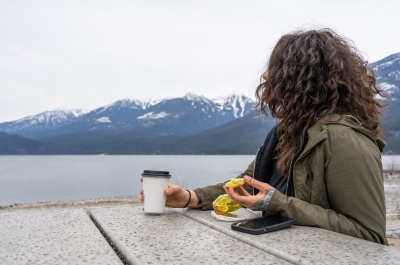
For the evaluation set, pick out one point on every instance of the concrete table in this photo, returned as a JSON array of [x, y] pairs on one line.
[[195, 237], [174, 239], [94, 234], [52, 236], [316, 246]]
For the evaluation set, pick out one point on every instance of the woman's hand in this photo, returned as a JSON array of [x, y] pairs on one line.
[[176, 196], [259, 202]]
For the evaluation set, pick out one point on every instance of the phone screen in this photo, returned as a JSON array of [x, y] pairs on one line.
[[263, 224], [266, 221]]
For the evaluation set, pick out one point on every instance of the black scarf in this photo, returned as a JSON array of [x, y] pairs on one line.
[[265, 166]]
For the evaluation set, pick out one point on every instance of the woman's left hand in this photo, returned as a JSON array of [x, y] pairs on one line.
[[259, 202]]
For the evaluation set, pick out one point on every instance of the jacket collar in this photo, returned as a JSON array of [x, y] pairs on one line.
[[316, 134], [319, 131]]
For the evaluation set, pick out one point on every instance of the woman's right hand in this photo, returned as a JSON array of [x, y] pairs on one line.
[[176, 196]]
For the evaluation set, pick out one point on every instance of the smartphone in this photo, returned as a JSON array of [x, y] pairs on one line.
[[263, 224]]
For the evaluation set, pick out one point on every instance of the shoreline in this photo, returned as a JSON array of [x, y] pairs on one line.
[[71, 203]]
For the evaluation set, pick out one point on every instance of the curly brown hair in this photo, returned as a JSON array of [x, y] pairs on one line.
[[311, 75]]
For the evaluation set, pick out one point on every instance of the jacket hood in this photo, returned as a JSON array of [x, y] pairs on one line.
[[356, 125]]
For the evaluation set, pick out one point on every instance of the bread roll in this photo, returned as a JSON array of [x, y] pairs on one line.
[[223, 205]]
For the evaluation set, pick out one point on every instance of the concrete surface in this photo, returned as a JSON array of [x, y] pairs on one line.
[[58, 235], [175, 239], [316, 246], [52, 236]]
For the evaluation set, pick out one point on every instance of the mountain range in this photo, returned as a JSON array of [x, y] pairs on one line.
[[191, 124], [176, 116], [137, 126]]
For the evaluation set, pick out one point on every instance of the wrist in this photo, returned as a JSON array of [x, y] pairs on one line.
[[263, 203], [194, 201], [188, 200]]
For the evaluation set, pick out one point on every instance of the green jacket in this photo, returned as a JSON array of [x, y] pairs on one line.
[[338, 182]]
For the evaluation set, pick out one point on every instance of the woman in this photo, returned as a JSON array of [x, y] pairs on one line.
[[321, 164]]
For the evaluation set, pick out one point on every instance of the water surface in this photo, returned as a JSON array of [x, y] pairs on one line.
[[25, 179], [52, 178]]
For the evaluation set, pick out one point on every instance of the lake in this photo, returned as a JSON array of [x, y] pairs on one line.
[[25, 179]]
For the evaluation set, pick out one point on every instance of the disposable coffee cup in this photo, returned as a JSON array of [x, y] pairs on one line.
[[154, 184]]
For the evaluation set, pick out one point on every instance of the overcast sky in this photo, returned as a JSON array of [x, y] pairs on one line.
[[86, 54]]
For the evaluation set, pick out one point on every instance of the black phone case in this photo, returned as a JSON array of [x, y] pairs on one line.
[[256, 231]]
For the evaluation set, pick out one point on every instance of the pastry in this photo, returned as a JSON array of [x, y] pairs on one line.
[[223, 205], [235, 183]]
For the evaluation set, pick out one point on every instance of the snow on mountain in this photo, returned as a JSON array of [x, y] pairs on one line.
[[153, 116], [388, 87], [124, 103], [44, 120], [77, 112], [129, 103], [52, 117], [388, 74], [235, 102], [145, 103], [194, 97], [387, 64], [103, 119], [200, 102]]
